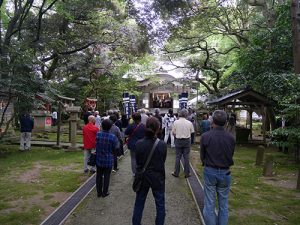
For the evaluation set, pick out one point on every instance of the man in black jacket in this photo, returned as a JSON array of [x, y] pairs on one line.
[[26, 124], [217, 149]]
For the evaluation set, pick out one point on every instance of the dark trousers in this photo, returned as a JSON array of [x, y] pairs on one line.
[[115, 161], [192, 138], [102, 180], [139, 204], [182, 147]]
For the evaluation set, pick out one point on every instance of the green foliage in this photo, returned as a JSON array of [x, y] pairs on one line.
[[289, 135], [266, 63], [69, 44]]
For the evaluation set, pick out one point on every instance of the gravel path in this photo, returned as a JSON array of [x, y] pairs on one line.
[[117, 208]]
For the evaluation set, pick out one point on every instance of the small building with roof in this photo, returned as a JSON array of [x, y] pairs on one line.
[[161, 91], [251, 101]]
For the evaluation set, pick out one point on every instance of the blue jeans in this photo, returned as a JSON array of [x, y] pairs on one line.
[[140, 200], [216, 183]]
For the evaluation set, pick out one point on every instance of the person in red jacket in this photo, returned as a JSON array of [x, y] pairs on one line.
[[89, 133]]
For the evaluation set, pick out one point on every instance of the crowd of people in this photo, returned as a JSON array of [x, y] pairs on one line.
[[105, 139]]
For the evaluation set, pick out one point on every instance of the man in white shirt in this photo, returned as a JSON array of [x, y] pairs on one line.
[[98, 119], [144, 116], [182, 130], [54, 118]]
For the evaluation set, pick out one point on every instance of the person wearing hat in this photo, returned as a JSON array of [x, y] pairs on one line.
[[217, 149]]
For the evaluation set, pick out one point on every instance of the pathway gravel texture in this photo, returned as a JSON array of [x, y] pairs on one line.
[[117, 208]]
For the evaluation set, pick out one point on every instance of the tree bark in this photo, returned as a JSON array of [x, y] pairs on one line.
[[272, 118], [260, 155], [295, 11]]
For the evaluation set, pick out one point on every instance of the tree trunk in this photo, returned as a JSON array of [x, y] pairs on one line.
[[295, 11], [272, 118], [267, 121], [260, 155]]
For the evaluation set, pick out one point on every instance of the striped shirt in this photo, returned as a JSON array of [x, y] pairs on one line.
[[106, 143]]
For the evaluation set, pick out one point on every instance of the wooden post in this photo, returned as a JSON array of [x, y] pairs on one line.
[[268, 167], [263, 112], [260, 155], [58, 124], [250, 122], [298, 181]]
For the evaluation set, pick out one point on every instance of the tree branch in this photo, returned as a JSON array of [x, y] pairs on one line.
[[40, 21], [226, 52], [67, 52], [201, 81], [181, 50], [26, 7]]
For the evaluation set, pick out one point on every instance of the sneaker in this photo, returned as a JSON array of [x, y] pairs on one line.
[[115, 170], [86, 171], [105, 195], [174, 175], [187, 176], [99, 195]]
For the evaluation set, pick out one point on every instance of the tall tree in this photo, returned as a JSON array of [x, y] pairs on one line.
[[43, 40], [295, 11]]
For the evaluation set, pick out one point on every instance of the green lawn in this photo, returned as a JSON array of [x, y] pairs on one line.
[[34, 183], [255, 200], [51, 136]]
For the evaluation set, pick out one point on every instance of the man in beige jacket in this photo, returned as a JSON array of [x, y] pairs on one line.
[[182, 130]]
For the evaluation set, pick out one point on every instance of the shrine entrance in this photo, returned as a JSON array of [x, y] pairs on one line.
[[161, 100]]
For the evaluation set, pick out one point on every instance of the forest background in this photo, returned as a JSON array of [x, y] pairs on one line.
[[85, 48]]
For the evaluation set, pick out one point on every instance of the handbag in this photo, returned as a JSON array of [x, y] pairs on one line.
[[139, 175], [92, 160]]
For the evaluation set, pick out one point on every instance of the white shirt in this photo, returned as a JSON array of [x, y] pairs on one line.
[[98, 121], [144, 118], [182, 128], [54, 115], [168, 121]]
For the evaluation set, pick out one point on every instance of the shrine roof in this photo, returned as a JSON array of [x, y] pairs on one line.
[[158, 76], [246, 96], [65, 98], [44, 97]]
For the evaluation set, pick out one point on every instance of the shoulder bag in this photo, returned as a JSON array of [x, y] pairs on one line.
[[139, 175], [92, 159]]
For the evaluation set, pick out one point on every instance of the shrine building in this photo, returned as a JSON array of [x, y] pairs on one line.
[[161, 91]]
